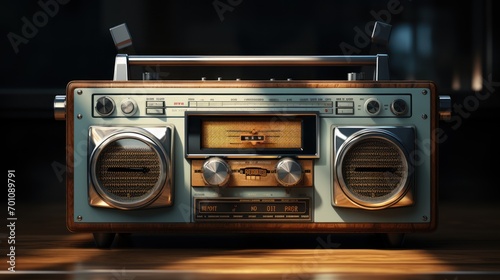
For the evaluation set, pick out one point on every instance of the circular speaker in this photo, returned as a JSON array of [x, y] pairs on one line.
[[128, 170], [373, 169]]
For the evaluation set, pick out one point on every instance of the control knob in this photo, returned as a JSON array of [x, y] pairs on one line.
[[399, 107], [216, 171], [105, 106], [128, 106], [372, 106], [288, 172]]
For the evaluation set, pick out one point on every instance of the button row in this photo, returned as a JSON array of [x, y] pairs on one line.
[[344, 107], [155, 108]]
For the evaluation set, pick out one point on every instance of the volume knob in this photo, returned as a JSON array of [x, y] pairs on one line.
[[399, 107], [288, 172], [372, 106], [128, 106], [105, 106], [216, 171]]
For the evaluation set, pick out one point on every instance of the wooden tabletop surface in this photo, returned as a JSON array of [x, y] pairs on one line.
[[466, 245]]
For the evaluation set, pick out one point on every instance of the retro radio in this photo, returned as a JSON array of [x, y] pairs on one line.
[[325, 156]]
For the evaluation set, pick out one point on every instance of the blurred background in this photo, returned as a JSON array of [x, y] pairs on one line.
[[45, 44]]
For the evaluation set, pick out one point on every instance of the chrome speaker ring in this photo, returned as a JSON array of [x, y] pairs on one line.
[[153, 190], [367, 179]]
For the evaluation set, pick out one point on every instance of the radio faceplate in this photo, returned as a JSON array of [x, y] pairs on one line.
[[272, 147], [169, 102]]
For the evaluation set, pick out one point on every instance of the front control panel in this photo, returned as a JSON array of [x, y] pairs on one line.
[[161, 105]]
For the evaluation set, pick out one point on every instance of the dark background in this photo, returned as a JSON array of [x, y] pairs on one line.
[[451, 43]]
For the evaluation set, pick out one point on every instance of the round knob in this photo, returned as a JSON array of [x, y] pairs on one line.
[[288, 172], [215, 171], [105, 106], [128, 106], [399, 107], [372, 106]]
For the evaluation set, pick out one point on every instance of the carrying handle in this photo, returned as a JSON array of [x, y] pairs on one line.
[[328, 60], [380, 61], [380, 37]]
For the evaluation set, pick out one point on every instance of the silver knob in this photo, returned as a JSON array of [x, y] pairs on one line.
[[216, 171], [399, 107], [128, 106], [288, 172], [372, 106], [105, 106]]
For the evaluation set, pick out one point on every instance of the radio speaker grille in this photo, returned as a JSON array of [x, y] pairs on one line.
[[128, 172], [129, 167], [372, 167]]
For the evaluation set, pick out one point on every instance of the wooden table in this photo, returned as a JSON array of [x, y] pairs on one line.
[[466, 245]]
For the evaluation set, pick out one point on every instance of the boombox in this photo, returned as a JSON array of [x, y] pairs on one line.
[[250, 156]]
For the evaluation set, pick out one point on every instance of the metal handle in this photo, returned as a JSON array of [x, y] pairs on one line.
[[316, 60], [380, 61]]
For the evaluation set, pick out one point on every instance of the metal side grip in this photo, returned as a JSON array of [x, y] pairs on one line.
[[60, 107], [444, 107]]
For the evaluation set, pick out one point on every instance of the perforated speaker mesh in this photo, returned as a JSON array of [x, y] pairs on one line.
[[128, 171], [373, 168]]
